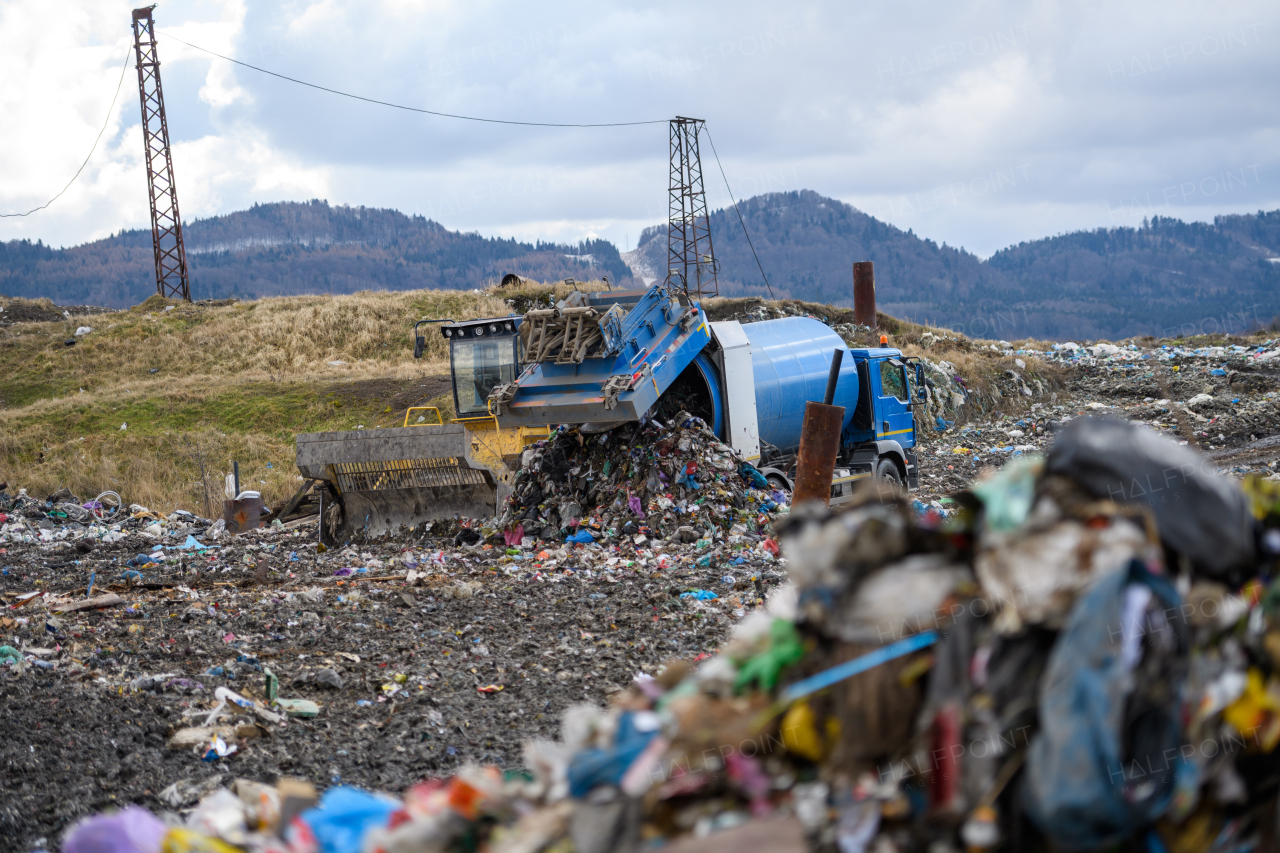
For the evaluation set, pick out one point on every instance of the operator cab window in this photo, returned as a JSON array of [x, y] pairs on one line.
[[479, 366], [892, 381]]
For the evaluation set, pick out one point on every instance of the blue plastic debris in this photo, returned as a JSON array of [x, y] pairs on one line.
[[131, 575], [753, 476], [1081, 764], [591, 768], [942, 425], [346, 815], [699, 594], [582, 537], [1217, 371]]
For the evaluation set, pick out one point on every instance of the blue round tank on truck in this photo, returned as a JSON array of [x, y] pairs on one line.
[[791, 359]]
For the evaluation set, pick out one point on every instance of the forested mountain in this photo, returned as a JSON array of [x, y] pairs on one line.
[[1165, 277], [290, 247]]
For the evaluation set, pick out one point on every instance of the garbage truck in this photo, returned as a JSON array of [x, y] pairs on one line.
[[601, 359]]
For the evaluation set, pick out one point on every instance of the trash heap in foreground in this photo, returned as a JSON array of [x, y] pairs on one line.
[[1083, 656]]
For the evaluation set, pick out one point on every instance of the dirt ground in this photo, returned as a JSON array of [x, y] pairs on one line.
[[42, 311], [80, 741]]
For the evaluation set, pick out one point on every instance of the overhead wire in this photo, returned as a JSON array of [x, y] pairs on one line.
[[741, 221], [423, 111], [402, 106], [96, 140]]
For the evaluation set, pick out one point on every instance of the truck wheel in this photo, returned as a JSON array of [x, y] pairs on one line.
[[778, 483], [887, 472]]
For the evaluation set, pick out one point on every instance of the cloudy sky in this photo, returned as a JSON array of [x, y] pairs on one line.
[[975, 123]]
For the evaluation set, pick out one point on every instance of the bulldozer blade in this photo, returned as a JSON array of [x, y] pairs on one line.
[[386, 479]]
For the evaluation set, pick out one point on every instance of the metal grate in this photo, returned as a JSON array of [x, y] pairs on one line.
[[406, 474]]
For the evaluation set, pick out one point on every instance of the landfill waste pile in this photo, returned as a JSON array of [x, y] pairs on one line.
[[1085, 655], [643, 481], [1225, 400]]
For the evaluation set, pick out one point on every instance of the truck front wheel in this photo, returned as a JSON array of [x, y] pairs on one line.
[[887, 472]]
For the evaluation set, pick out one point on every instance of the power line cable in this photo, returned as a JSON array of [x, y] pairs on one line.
[[402, 106], [110, 110], [735, 210]]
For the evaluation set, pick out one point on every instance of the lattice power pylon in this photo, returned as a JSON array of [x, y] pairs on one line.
[[691, 261], [166, 222]]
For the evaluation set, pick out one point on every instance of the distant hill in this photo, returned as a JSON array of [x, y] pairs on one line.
[[1164, 278], [1167, 277], [290, 248]]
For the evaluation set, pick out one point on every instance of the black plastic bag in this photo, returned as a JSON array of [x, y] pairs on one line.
[[1199, 513]]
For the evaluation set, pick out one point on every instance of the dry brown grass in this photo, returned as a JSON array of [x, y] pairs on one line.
[[238, 380]]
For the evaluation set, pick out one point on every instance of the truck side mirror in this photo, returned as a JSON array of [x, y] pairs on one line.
[[921, 391], [419, 344]]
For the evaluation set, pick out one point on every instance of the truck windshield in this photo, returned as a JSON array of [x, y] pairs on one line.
[[892, 383], [479, 366]]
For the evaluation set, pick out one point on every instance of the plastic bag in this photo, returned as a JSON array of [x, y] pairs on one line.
[[591, 768], [784, 649], [130, 830], [1007, 497], [1198, 512], [1107, 758], [753, 476], [343, 817]]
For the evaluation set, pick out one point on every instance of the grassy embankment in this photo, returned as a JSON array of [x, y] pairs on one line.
[[157, 401]]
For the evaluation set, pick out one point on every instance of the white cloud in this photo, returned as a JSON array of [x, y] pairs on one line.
[[978, 124]]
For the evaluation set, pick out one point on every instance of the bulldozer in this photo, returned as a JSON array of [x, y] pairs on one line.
[[381, 480]]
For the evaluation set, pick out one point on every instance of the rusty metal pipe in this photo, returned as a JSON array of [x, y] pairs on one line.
[[819, 444], [833, 377], [864, 294]]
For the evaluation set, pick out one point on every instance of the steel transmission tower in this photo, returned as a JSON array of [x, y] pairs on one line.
[[166, 222], [691, 261]]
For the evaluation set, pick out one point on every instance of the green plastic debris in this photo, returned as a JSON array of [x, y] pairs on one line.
[[1007, 496], [304, 708], [8, 654], [784, 649], [272, 685]]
